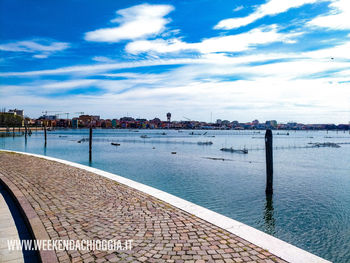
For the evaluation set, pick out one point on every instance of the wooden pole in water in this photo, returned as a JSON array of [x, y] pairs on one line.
[[90, 142], [269, 162], [25, 131], [13, 131], [45, 136]]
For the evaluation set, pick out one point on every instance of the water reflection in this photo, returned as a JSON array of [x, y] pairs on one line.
[[25, 143], [269, 220]]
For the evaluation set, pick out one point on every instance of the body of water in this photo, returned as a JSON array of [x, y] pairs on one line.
[[310, 207]]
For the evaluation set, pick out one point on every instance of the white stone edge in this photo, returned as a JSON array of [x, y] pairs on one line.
[[273, 245]]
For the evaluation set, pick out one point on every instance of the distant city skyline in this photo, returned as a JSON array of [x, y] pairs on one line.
[[202, 59], [163, 117]]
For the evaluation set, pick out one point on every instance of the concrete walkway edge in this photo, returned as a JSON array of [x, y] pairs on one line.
[[274, 245], [31, 218]]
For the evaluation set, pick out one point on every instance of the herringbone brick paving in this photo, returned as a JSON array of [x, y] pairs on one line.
[[76, 204]]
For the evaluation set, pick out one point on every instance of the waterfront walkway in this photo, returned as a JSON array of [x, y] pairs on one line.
[[8, 230], [72, 203]]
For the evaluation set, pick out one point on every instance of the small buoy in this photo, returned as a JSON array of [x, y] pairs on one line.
[[153, 147], [173, 152]]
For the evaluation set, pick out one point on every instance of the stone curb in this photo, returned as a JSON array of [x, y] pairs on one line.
[[31, 219]]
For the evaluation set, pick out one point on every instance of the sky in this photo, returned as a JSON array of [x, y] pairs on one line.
[[287, 60]]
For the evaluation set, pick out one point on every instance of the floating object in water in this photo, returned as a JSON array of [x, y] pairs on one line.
[[163, 133], [62, 136], [282, 133], [144, 136], [325, 144], [205, 143], [153, 147], [192, 133], [115, 144], [173, 152], [217, 159], [245, 151], [83, 140]]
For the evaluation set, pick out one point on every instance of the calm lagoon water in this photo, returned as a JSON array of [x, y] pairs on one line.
[[310, 207]]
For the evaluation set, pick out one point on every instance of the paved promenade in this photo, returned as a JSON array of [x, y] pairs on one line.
[[8, 230], [72, 203]]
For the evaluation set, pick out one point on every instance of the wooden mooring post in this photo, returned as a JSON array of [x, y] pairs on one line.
[[269, 162], [90, 143], [45, 135]]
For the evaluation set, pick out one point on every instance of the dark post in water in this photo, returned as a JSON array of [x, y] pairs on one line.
[[25, 131], [269, 162], [45, 133], [90, 142]]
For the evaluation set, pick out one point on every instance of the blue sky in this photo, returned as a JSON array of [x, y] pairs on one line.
[[287, 60]]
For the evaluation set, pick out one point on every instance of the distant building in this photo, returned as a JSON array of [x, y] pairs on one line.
[[48, 117], [16, 112], [106, 123], [89, 117], [271, 124], [155, 123], [127, 119], [86, 120], [75, 123], [225, 122], [168, 116], [115, 122]]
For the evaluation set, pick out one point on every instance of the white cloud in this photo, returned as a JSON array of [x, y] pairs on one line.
[[264, 91], [94, 69], [42, 48], [231, 43], [268, 98], [41, 56], [69, 84], [244, 41], [135, 22], [271, 7], [238, 8], [103, 59], [333, 54], [338, 18], [159, 46]]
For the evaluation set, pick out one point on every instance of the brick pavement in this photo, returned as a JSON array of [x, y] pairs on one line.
[[75, 204]]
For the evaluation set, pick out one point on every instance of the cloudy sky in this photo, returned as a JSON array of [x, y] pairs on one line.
[[287, 60]]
